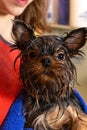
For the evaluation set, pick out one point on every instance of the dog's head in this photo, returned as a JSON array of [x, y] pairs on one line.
[[46, 68]]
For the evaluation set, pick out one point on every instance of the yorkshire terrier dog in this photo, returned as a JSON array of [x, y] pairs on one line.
[[49, 77]]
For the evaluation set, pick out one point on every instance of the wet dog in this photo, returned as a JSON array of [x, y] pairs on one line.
[[49, 76]]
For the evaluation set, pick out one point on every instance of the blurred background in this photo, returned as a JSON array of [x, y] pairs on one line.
[[63, 16]]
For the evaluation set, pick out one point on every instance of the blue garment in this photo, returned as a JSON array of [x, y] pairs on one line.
[[15, 120]]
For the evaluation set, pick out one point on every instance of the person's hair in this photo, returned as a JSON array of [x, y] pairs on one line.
[[35, 15]]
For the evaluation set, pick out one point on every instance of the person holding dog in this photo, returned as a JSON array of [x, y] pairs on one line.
[[33, 13]]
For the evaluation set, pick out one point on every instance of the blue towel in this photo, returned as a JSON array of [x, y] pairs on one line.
[[15, 120], [82, 102]]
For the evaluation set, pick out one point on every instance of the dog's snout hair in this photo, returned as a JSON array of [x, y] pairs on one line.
[[49, 76]]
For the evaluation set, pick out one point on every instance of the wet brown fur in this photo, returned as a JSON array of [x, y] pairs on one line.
[[49, 76]]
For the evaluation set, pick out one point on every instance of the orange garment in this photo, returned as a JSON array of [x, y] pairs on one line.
[[10, 85]]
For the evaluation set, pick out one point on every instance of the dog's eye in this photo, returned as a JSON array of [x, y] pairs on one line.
[[32, 54], [61, 56]]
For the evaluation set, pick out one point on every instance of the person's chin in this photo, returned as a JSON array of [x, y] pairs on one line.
[[16, 11]]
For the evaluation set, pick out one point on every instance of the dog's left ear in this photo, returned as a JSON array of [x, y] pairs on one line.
[[22, 34], [75, 40]]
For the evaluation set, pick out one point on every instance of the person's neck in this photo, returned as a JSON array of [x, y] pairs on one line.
[[6, 26]]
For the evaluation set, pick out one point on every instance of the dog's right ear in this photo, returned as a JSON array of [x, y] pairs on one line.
[[22, 34]]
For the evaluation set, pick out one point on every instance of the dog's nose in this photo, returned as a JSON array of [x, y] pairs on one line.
[[46, 62]]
